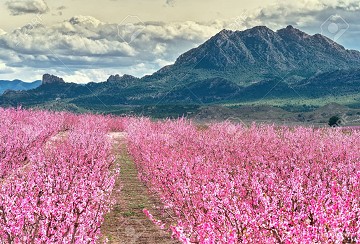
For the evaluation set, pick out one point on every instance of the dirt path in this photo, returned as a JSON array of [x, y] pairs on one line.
[[127, 223]]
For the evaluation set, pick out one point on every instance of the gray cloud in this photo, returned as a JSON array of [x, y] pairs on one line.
[[61, 7], [170, 3], [311, 16], [20, 7]]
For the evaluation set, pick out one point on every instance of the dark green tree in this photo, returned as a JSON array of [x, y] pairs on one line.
[[334, 121]]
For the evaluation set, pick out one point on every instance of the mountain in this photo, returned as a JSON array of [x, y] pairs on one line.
[[260, 66], [17, 85], [260, 48]]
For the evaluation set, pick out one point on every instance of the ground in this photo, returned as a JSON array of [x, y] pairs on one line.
[[126, 223]]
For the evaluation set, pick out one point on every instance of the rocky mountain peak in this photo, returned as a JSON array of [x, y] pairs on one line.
[[260, 28], [286, 49], [225, 32], [259, 31], [292, 33], [51, 79]]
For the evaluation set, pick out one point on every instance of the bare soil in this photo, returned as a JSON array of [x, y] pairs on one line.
[[127, 223]]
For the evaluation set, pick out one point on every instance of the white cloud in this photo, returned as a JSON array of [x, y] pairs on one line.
[[87, 21], [162, 62], [160, 49], [85, 76], [5, 70], [84, 42], [19, 7]]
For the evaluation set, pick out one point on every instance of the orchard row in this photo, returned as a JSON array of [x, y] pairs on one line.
[[258, 184], [56, 176]]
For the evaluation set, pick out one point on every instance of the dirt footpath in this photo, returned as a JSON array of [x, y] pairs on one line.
[[127, 223]]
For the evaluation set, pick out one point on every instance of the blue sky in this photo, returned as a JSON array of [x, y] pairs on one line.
[[84, 41]]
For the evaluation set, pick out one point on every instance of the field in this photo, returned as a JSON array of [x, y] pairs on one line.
[[69, 178]]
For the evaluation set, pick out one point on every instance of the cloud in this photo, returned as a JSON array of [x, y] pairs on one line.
[[4, 69], [170, 3], [87, 21], [312, 16], [20, 7], [62, 7], [85, 76], [84, 42]]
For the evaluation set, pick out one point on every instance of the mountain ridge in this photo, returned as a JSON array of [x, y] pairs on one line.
[[17, 85], [254, 65], [286, 49]]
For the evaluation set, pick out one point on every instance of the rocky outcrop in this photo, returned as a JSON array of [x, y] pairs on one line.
[[122, 79], [51, 79]]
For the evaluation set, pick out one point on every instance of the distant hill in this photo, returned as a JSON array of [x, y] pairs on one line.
[[17, 85], [257, 66]]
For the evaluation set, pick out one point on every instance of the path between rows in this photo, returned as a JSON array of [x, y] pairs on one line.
[[126, 223]]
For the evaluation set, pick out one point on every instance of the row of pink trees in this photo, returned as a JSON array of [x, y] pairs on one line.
[[54, 188], [22, 132], [259, 184]]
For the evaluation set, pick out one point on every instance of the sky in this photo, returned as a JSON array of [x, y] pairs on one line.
[[89, 40]]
